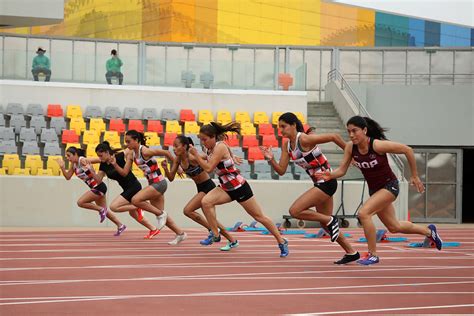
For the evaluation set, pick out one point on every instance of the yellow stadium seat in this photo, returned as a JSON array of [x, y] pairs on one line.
[[242, 117], [3, 171], [52, 165], [77, 145], [73, 111], [301, 117], [173, 127], [33, 162], [112, 137], [10, 162], [22, 172], [45, 172], [77, 124], [205, 116], [275, 117], [247, 129], [97, 124], [90, 151], [224, 117], [90, 137], [260, 118], [152, 139], [191, 127]]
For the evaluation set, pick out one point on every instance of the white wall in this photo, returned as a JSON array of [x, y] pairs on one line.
[[31, 12], [436, 115], [51, 201], [159, 97]]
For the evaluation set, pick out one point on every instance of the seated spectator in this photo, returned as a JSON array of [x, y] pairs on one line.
[[113, 68], [41, 65]]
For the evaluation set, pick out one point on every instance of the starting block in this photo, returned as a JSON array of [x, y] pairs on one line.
[[236, 228], [322, 234], [287, 232], [382, 237], [427, 243], [253, 227]]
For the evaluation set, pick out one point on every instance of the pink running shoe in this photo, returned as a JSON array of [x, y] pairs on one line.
[[103, 214], [120, 230]]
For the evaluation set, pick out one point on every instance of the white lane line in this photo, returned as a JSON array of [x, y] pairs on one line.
[[277, 274], [385, 310]]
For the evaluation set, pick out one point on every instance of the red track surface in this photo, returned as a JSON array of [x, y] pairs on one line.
[[94, 273]]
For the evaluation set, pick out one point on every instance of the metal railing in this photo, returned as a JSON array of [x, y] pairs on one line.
[[412, 78], [335, 76]]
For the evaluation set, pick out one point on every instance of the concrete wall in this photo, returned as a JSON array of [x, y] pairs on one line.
[[17, 13], [159, 97], [51, 201], [422, 115]]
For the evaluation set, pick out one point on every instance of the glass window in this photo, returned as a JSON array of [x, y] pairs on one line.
[[84, 65], [265, 68], [222, 67], [349, 65], [394, 67], [441, 201], [442, 167], [199, 63], [61, 60], [128, 53], [243, 69], [176, 59], [371, 66], [103, 54], [155, 65], [312, 59]]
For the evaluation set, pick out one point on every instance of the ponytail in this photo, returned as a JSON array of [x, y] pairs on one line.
[[139, 137], [105, 147], [374, 130], [292, 119], [186, 141], [76, 151], [219, 131]]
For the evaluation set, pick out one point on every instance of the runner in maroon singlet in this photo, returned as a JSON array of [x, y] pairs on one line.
[[369, 148]]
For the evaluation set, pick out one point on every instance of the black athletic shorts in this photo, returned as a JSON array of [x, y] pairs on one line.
[[392, 186], [100, 190], [205, 186], [131, 190], [241, 194], [328, 187]]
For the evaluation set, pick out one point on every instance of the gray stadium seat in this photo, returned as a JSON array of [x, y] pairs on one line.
[[287, 176], [169, 115], [206, 78], [112, 112], [93, 111], [14, 109], [187, 77], [58, 123], [276, 153], [30, 148], [244, 166], [196, 140], [7, 133], [17, 121], [8, 147], [37, 122], [237, 151], [52, 149], [131, 114], [48, 135], [261, 170], [2, 120], [149, 114], [27, 134], [34, 109]]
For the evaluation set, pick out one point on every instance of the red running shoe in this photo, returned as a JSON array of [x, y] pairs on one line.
[[139, 214], [152, 234]]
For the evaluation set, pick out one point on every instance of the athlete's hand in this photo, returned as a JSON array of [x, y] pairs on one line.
[[164, 164], [60, 162], [180, 172], [325, 175], [353, 163], [192, 150], [415, 180], [112, 160], [267, 152], [238, 160]]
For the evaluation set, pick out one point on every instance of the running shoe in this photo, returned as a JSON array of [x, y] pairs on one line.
[[152, 233], [178, 239], [120, 230], [103, 214], [333, 228], [368, 260], [162, 220], [139, 214], [348, 258], [284, 251], [208, 240], [230, 245], [435, 237]]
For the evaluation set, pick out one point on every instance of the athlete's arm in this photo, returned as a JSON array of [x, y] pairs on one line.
[[100, 175], [209, 165], [341, 171], [281, 166], [66, 173], [128, 163], [170, 174], [147, 153]]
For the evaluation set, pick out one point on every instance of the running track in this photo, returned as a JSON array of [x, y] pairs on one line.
[[91, 272]]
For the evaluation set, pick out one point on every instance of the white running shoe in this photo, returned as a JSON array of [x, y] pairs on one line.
[[162, 220], [178, 239]]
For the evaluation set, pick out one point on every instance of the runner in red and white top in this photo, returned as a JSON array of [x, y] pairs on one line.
[[369, 148], [233, 186], [143, 157], [95, 198], [316, 204]]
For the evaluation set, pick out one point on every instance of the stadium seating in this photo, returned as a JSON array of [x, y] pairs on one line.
[[90, 137], [70, 136], [205, 116], [77, 124], [117, 125], [93, 111], [149, 114], [28, 134], [34, 110], [260, 118], [55, 110], [73, 111], [10, 162], [112, 112], [58, 123], [242, 117], [136, 125], [152, 139], [224, 117], [173, 127], [191, 127], [97, 125], [52, 165], [155, 126], [186, 115], [38, 123], [33, 162]]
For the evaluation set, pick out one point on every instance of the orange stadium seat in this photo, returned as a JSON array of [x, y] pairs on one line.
[[69, 136], [117, 125], [266, 129], [186, 115], [249, 141], [232, 140], [155, 126], [169, 139], [255, 154], [54, 110], [136, 125]]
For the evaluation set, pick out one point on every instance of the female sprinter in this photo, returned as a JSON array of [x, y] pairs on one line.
[[86, 173], [204, 184], [369, 148], [157, 185], [303, 149], [232, 185]]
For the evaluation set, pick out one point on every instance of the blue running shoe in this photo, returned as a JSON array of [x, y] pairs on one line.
[[435, 237], [284, 252], [368, 260], [208, 241]]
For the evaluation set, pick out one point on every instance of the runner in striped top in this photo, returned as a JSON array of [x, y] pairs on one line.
[[233, 186], [303, 149], [144, 158], [369, 147], [84, 171]]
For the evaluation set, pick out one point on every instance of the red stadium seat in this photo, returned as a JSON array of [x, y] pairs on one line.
[[255, 154], [186, 115], [55, 110], [233, 140], [69, 136], [169, 139], [136, 125], [117, 125], [155, 126], [266, 129], [249, 141], [269, 141], [285, 81]]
